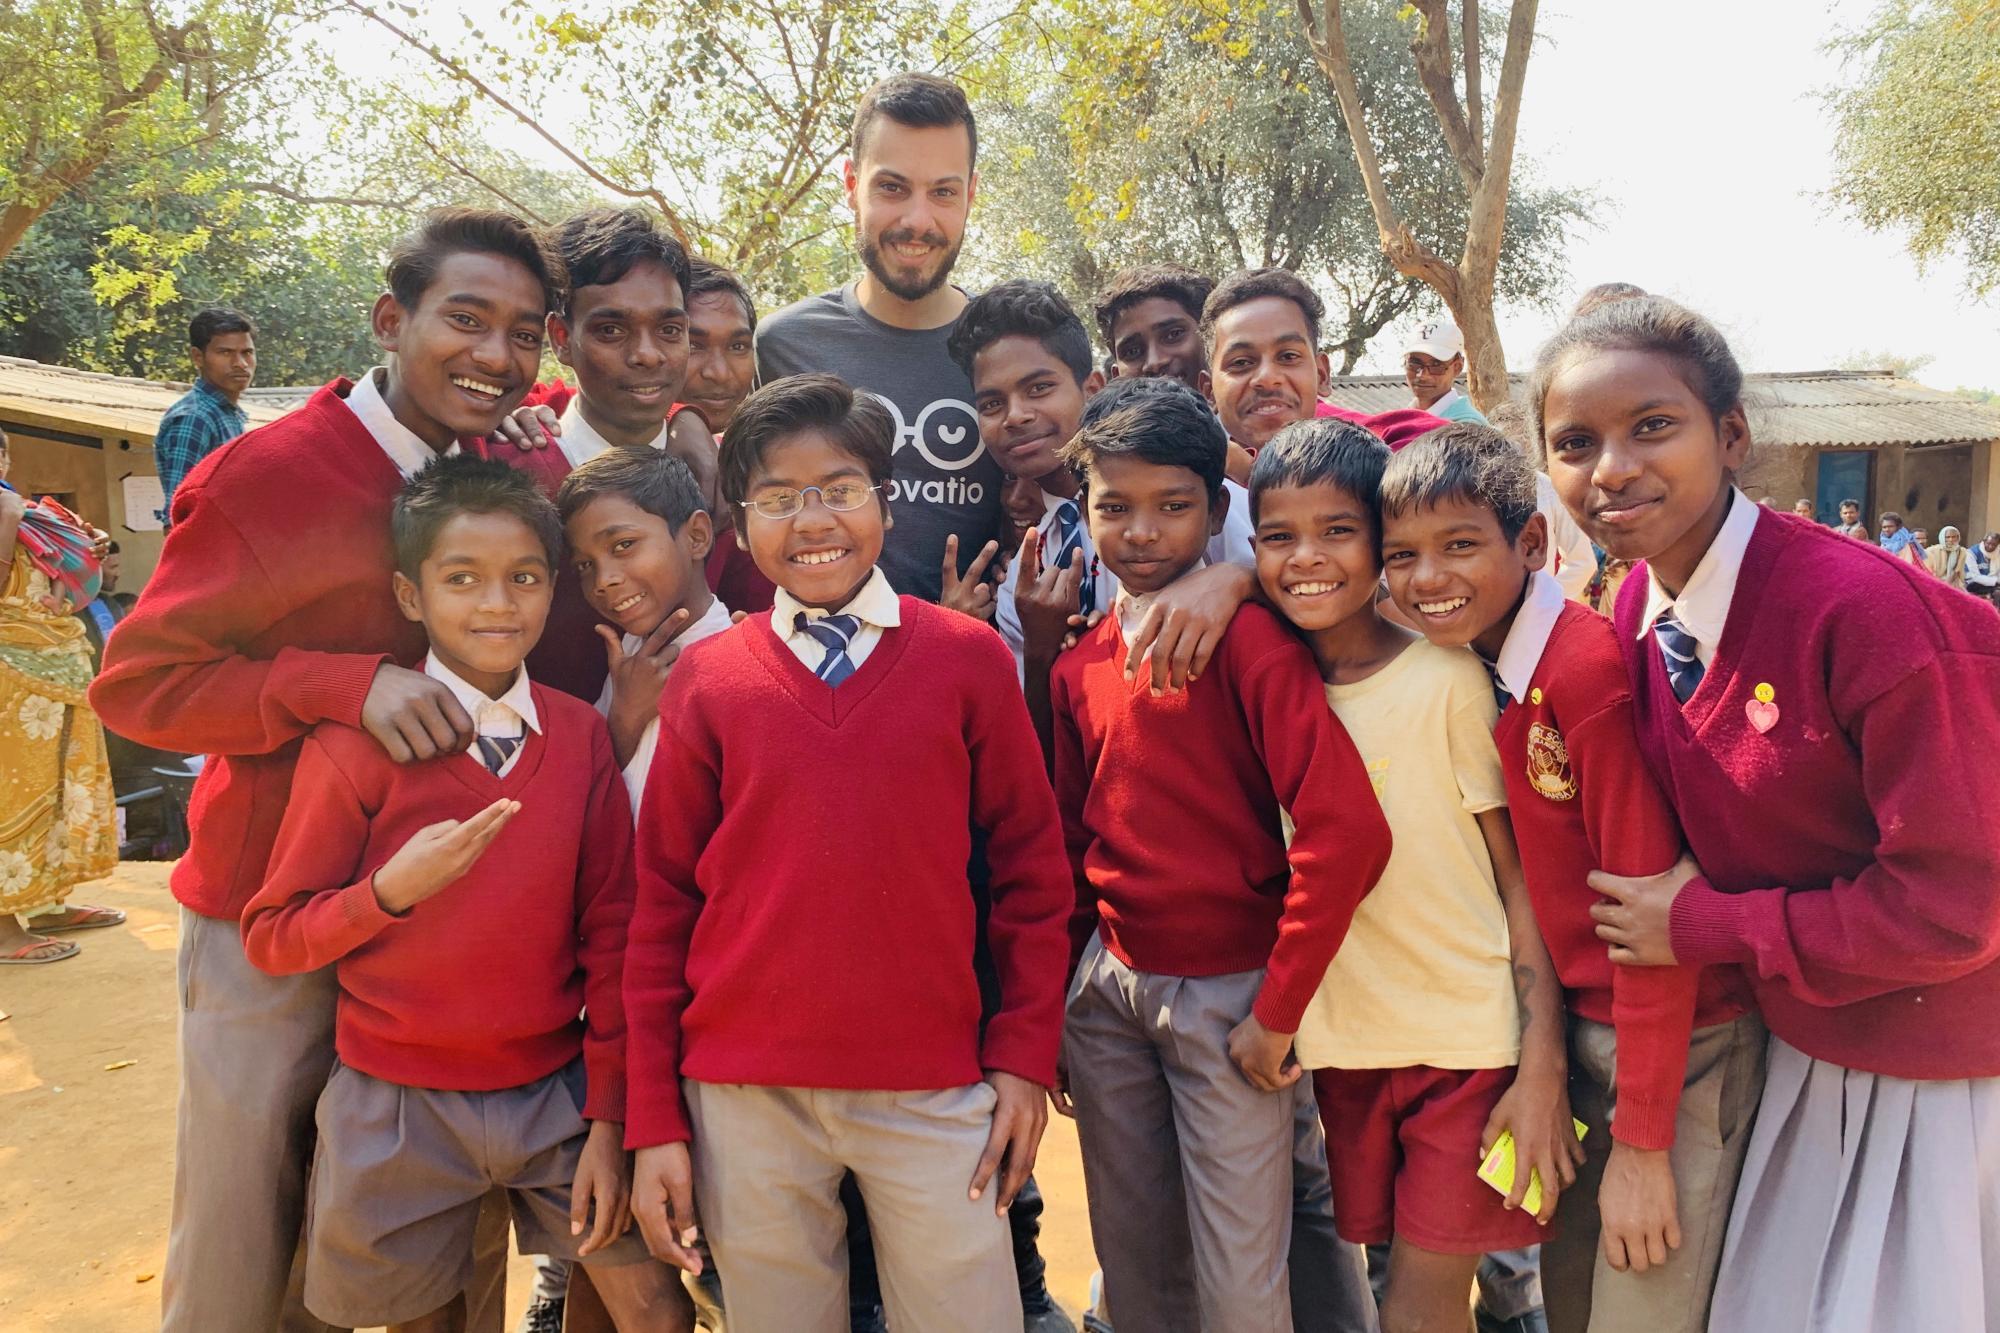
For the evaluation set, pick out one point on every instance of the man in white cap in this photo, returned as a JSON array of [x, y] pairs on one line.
[[1432, 363]]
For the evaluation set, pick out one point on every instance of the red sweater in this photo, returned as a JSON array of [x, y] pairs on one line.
[[803, 917], [1581, 799], [1170, 810], [269, 613], [1848, 863], [479, 987]]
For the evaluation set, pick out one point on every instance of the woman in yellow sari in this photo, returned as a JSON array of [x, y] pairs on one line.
[[58, 827]]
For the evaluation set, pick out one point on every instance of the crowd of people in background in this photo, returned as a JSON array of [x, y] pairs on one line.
[[701, 816]]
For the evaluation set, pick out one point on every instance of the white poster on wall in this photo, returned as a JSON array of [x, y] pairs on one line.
[[145, 502]]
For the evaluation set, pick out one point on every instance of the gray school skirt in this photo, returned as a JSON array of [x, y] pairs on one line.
[[1867, 1203]]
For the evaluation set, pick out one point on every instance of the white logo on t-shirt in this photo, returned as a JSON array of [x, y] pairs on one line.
[[946, 433]]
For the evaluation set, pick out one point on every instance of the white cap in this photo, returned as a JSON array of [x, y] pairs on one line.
[[1440, 342]]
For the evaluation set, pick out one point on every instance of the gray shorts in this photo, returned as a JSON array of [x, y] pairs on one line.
[[397, 1181]]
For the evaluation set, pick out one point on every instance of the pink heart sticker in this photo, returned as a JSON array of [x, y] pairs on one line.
[[1763, 716]]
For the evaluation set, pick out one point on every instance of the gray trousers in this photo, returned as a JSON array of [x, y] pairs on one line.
[[255, 1054], [1188, 1168]]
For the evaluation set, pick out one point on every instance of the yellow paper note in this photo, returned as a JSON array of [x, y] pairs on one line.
[[1498, 1168]]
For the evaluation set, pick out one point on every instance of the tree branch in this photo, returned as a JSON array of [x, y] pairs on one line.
[[340, 200], [1432, 47], [1487, 217], [1475, 104]]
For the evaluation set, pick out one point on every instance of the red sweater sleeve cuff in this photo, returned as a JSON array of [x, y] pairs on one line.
[[1645, 1121], [651, 1120], [1707, 926], [1279, 1010], [603, 1085], [330, 687], [1010, 1051]]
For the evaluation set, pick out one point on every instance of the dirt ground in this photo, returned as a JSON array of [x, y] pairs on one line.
[[87, 1085]]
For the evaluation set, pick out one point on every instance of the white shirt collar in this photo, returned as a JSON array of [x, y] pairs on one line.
[[490, 716], [1703, 606], [1052, 502], [875, 604], [1445, 399], [405, 448], [1528, 639], [580, 441], [713, 621]]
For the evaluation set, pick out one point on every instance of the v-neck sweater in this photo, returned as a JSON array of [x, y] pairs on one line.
[[1581, 799], [478, 987], [1171, 813], [1817, 771], [804, 917]]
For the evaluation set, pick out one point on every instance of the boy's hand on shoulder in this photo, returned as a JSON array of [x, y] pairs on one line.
[[1536, 1111], [1046, 599], [414, 716], [1020, 1115], [1184, 626], [436, 856], [637, 679], [1639, 1208], [1263, 1056], [663, 1204], [972, 595], [1637, 922], [601, 1198], [528, 428]]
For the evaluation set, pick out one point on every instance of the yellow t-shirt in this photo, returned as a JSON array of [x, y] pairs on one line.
[[1424, 976]]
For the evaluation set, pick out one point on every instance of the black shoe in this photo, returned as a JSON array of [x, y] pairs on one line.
[[1532, 1322], [543, 1316], [1040, 1314], [866, 1319]]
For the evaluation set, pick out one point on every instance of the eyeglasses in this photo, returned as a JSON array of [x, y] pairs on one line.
[[841, 497]]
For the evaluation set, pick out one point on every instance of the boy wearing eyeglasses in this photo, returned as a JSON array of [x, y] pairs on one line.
[[799, 973]]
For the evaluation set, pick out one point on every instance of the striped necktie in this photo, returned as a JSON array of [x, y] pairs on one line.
[[1684, 668], [494, 750], [1069, 547], [1502, 696], [832, 633]]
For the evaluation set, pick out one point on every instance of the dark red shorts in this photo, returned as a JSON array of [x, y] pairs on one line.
[[1402, 1146]]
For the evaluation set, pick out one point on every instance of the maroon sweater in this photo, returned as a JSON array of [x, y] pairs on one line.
[[269, 613], [478, 987], [1848, 863], [1581, 798], [803, 917], [1170, 810]]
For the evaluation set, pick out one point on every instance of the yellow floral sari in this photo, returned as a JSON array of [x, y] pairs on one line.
[[58, 827]]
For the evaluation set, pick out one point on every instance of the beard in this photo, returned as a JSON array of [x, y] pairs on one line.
[[908, 285]]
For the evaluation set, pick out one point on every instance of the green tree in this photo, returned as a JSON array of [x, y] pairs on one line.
[[1918, 131]]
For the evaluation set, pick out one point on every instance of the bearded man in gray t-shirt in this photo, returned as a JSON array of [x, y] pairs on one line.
[[910, 183]]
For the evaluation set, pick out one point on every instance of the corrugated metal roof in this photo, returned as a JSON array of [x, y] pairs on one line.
[[111, 404], [1818, 408]]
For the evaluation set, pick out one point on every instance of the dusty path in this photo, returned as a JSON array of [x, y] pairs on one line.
[[86, 1152]]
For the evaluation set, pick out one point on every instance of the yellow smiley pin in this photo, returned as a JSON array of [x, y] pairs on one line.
[[1535, 695], [1761, 709], [1765, 694]]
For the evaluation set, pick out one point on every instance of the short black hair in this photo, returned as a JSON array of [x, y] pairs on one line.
[[1155, 420], [1026, 308], [416, 258], [857, 424], [1169, 282], [652, 479], [1323, 451], [706, 276], [1603, 294], [600, 245], [467, 484], [1252, 283], [1650, 324], [1462, 461], [213, 321], [1853, 503], [921, 101], [111, 548]]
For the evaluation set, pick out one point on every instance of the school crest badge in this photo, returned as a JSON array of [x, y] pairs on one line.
[[1548, 764]]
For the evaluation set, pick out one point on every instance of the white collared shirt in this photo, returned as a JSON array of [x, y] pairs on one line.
[[713, 621], [405, 448], [1703, 605], [876, 606], [1573, 558], [509, 715], [1528, 638], [580, 441]]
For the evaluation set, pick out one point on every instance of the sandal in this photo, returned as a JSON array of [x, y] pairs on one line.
[[20, 957], [83, 917]]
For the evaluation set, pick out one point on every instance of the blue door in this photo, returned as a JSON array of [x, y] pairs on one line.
[[1843, 475]]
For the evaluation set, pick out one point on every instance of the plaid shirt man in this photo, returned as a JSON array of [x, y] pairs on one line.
[[191, 430]]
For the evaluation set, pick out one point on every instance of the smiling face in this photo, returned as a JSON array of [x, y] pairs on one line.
[[1158, 336], [466, 355], [1021, 501], [1150, 522], [1028, 403], [1639, 460], [721, 361], [911, 189], [627, 341], [636, 570], [1429, 378], [1264, 372], [1454, 573], [482, 594], [1315, 554], [820, 556]]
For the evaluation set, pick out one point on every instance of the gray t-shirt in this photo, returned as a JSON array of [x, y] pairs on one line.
[[944, 481]]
